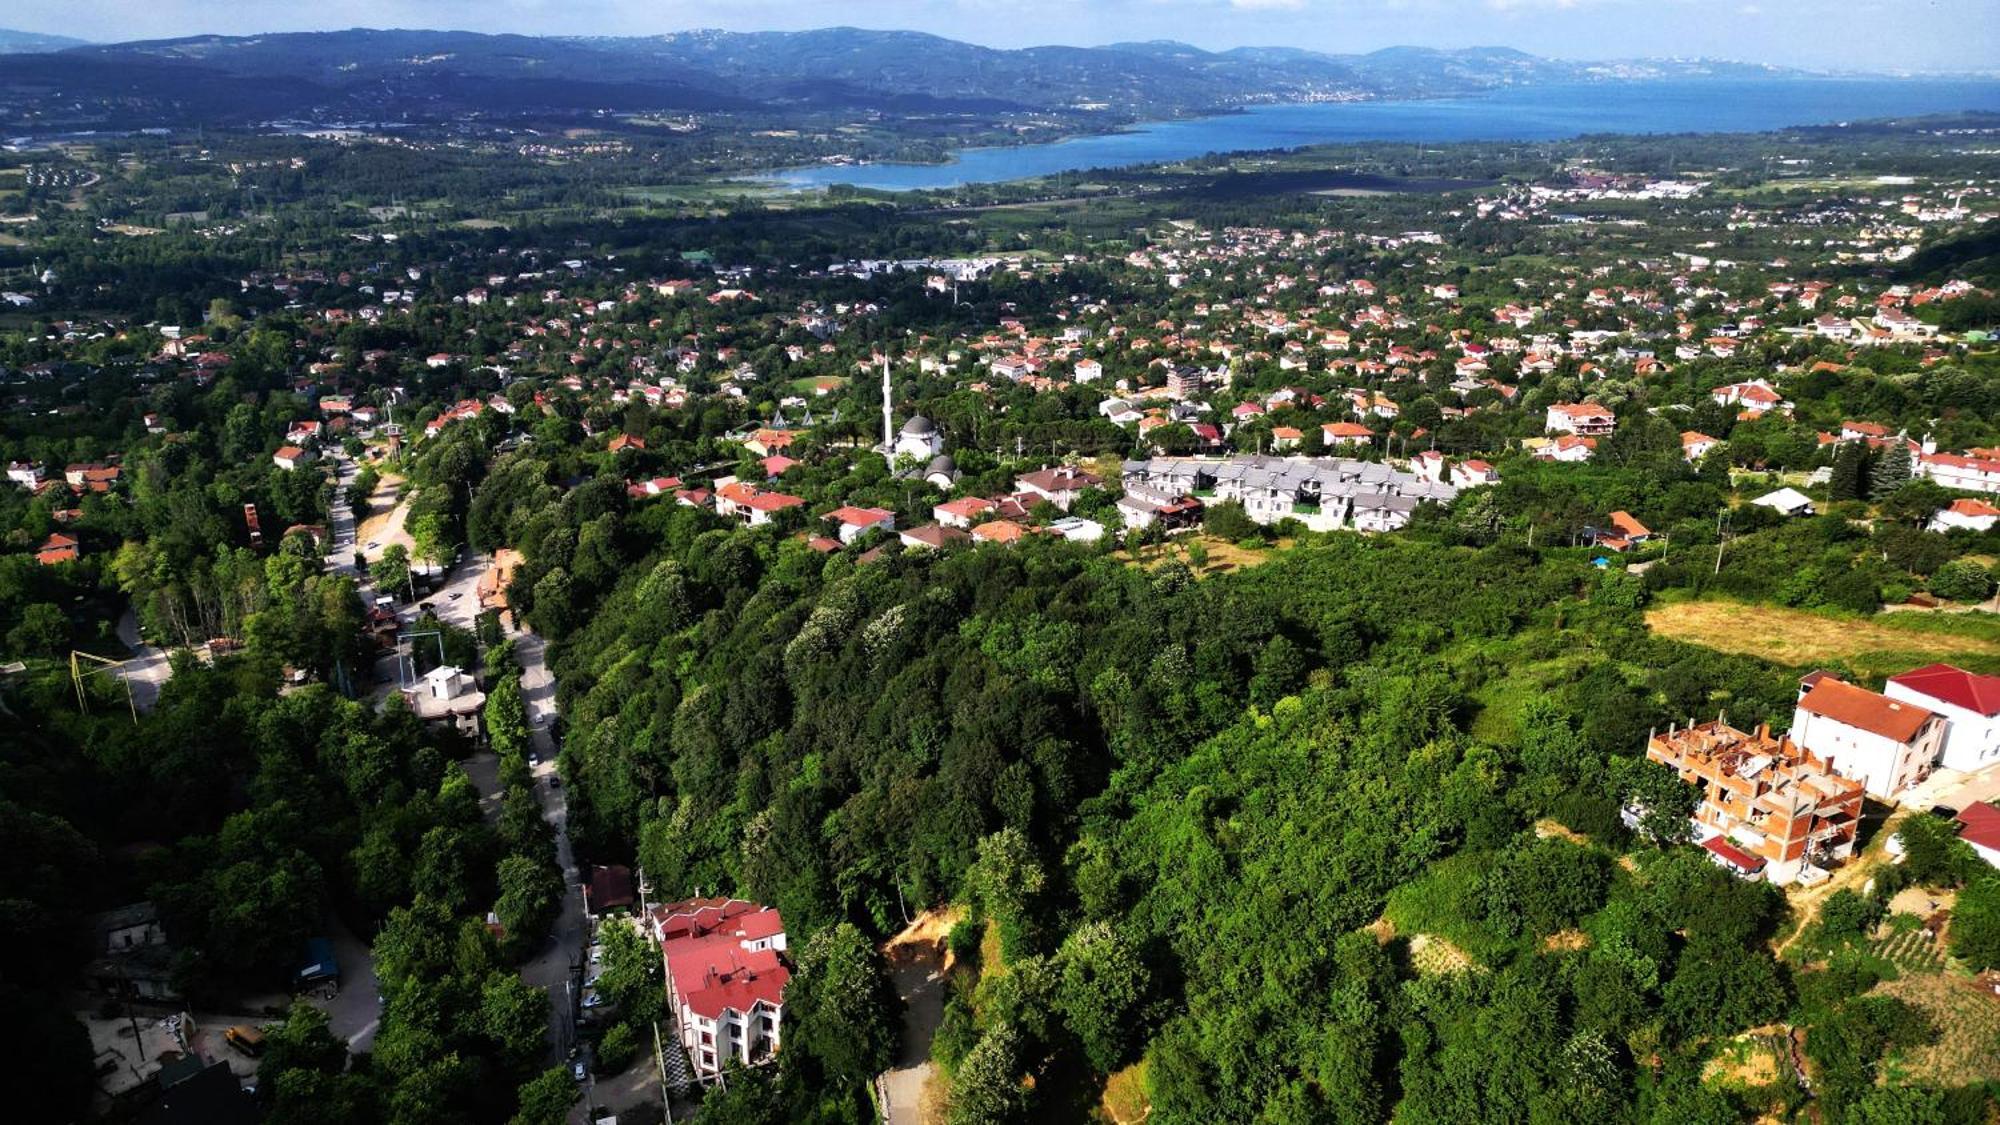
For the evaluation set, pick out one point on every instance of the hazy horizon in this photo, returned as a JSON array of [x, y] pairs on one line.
[[1942, 35]]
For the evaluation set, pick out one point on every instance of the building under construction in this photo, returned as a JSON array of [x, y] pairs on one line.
[[1769, 808]]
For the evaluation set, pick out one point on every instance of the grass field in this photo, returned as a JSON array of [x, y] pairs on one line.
[[1968, 1024], [1223, 555], [1872, 647], [1125, 1100]]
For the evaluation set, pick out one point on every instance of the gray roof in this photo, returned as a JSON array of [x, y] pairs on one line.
[[918, 425]]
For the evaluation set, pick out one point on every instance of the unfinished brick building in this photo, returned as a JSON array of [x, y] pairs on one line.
[[1769, 807]]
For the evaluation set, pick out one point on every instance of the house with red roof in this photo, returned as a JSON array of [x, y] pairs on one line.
[[1968, 702], [999, 531], [1586, 419], [1979, 826], [726, 975], [1473, 473], [1886, 744], [1970, 473], [961, 513], [1059, 486], [736, 500], [57, 548], [854, 522], [1967, 513], [1346, 433]]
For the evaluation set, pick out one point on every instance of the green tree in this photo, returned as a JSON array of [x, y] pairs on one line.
[[1103, 983], [1975, 923], [391, 572], [545, 1099], [845, 1007], [1850, 472], [1891, 470], [987, 1090]]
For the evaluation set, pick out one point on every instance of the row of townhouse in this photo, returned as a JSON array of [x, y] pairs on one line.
[[1324, 493]]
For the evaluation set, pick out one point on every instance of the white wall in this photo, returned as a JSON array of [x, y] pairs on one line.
[[1971, 740], [1884, 767]]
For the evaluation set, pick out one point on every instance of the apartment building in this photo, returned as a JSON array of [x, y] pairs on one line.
[[726, 977], [1769, 807]]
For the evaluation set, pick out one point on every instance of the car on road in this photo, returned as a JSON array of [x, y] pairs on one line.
[[372, 546], [579, 1070], [534, 759], [594, 1000], [455, 595]]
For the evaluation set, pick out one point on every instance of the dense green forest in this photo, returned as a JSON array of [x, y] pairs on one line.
[[1210, 818]]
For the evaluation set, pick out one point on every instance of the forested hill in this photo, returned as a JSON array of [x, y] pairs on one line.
[[1333, 837], [367, 74]]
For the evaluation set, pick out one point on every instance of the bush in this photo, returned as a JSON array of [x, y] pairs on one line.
[[1962, 580]]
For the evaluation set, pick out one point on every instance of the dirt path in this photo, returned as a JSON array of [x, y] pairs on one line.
[[384, 527], [920, 965], [1852, 875]]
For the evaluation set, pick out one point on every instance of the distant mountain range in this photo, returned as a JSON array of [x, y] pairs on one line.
[[440, 75], [31, 42]]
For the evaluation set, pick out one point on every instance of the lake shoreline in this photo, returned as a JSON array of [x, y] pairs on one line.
[[1550, 112]]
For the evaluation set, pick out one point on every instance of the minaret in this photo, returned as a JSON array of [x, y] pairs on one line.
[[888, 416]]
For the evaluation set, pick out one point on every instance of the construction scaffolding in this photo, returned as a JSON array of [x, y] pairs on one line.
[[104, 665]]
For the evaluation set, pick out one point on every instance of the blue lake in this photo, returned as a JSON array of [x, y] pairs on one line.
[[1525, 114]]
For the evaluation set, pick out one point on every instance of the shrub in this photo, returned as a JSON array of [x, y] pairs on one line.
[[1962, 580]]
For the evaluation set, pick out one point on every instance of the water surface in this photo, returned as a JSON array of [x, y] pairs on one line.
[[1537, 113]]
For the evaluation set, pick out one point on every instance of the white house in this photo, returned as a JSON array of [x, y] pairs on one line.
[[1076, 529], [726, 978], [963, 512], [1953, 470], [1584, 418], [1695, 445], [1089, 371], [1059, 486], [1972, 515], [1473, 473], [1968, 702], [1786, 501], [1886, 744], [27, 474], [856, 522]]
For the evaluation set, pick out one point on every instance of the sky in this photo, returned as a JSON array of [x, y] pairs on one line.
[[1873, 35]]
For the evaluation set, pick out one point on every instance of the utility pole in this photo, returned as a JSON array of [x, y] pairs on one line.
[[1719, 539]]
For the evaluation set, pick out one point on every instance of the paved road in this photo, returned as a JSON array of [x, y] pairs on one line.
[[355, 1012], [147, 669], [456, 602]]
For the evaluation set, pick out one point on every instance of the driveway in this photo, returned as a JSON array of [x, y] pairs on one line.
[[147, 669]]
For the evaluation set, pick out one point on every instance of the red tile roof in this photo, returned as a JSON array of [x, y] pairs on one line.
[[1955, 686], [1865, 710], [1734, 856], [1981, 825], [1970, 507], [1629, 527], [859, 517]]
